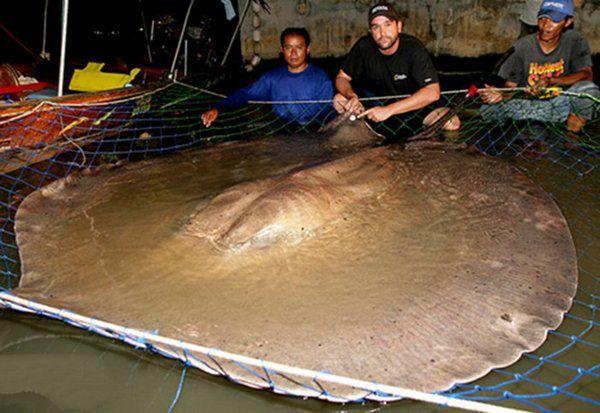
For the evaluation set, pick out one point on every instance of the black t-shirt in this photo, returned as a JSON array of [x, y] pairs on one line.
[[404, 72]]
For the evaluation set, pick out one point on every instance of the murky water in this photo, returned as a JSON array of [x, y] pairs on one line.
[[50, 365]]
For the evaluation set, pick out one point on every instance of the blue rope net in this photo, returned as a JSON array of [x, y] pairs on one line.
[[43, 143]]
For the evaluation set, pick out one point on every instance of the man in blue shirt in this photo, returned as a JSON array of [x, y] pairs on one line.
[[298, 80]]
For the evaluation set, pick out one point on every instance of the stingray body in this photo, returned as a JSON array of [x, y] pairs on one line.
[[416, 266], [292, 207]]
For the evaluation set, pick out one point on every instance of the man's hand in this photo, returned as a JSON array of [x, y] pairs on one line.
[[544, 88], [345, 105], [346, 101], [539, 84], [339, 103], [209, 117], [490, 95], [545, 81], [379, 113]]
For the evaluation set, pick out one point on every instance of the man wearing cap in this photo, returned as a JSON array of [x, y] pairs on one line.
[[388, 62], [550, 58], [529, 13]]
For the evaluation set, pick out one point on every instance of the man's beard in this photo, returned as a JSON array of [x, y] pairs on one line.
[[391, 44]]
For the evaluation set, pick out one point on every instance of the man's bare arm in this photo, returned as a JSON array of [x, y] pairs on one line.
[[491, 95], [585, 73], [347, 99], [423, 97], [343, 86]]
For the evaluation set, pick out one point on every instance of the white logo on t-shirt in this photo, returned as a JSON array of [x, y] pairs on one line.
[[399, 77]]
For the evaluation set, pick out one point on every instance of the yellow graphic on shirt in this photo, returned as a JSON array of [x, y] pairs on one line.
[[539, 74]]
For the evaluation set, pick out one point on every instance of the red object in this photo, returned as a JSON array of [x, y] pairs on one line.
[[31, 131], [472, 91], [13, 89]]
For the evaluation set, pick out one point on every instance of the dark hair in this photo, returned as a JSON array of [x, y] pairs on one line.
[[300, 31]]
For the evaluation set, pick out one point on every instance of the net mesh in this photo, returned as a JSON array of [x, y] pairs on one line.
[[42, 143]]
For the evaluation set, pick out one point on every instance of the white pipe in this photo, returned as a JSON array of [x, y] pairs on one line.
[[63, 47], [185, 57], [183, 29], [237, 29], [19, 304], [44, 31]]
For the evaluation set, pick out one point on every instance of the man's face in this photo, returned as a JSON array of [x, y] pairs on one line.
[[549, 30], [385, 32], [295, 51]]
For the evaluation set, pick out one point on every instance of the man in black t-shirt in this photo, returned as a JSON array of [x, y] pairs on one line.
[[387, 62]]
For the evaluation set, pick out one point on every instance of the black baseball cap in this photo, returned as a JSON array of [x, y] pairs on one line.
[[383, 9]]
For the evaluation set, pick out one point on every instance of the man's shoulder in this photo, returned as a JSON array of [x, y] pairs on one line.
[[281, 73], [363, 43], [411, 41], [276, 74], [366, 39], [572, 36], [317, 71], [526, 43], [277, 71]]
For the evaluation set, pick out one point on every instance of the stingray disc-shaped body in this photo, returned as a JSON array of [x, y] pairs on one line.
[[417, 267]]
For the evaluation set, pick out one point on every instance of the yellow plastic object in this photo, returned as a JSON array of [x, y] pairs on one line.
[[92, 79]]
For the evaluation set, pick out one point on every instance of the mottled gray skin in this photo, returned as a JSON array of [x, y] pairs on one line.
[[419, 266], [291, 207]]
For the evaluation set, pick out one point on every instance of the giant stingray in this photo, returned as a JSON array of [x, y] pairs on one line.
[[414, 265]]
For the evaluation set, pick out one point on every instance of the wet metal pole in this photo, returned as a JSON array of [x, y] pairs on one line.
[[144, 28], [43, 53], [183, 29], [237, 29], [63, 47], [185, 57]]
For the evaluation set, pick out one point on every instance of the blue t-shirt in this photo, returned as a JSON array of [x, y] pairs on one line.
[[281, 85]]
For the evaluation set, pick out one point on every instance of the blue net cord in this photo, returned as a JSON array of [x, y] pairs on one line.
[[169, 120], [179, 389]]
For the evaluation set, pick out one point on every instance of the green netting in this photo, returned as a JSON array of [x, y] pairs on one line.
[[43, 143]]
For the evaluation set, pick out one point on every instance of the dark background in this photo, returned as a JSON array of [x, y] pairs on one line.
[[111, 31]]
